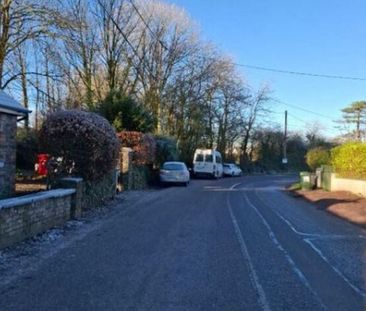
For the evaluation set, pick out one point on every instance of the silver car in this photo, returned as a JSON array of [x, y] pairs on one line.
[[231, 169], [174, 172]]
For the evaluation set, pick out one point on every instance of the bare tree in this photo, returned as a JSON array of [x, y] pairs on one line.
[[21, 21], [257, 108]]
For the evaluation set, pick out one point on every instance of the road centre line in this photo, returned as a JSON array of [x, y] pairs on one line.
[[292, 263], [262, 299]]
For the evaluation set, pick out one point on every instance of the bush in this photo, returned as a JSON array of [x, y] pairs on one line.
[[166, 149], [85, 141], [143, 145], [349, 160], [124, 113], [27, 148], [317, 157]]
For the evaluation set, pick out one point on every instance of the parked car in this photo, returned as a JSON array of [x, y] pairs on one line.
[[231, 169], [207, 162], [174, 172]]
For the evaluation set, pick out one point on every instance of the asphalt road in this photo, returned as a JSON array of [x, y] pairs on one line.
[[230, 244]]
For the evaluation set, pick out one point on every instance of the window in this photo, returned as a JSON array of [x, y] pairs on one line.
[[199, 157], [173, 167], [218, 159], [208, 158]]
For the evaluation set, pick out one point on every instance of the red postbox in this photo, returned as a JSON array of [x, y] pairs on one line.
[[41, 166]]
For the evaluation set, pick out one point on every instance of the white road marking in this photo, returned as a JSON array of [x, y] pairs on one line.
[[262, 299], [312, 236], [319, 252], [292, 263], [309, 237]]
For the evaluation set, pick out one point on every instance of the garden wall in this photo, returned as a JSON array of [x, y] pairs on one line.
[[352, 185], [26, 216]]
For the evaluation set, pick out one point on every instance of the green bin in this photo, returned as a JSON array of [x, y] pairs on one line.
[[307, 180]]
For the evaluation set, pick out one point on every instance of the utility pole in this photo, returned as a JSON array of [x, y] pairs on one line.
[[284, 159]]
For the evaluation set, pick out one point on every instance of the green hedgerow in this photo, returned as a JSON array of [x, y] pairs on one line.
[[349, 160]]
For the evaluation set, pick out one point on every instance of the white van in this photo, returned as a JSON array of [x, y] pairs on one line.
[[207, 162]]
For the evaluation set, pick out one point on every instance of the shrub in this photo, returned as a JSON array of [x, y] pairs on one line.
[[349, 160], [143, 145], [166, 149], [85, 141], [124, 113], [316, 157], [27, 148]]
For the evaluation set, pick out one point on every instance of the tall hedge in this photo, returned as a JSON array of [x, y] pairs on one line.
[[349, 160], [85, 141]]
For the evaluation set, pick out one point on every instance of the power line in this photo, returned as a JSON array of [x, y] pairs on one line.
[[147, 25], [297, 118], [302, 109], [124, 36], [299, 73]]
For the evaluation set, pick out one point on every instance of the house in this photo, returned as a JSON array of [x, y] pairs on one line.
[[11, 112]]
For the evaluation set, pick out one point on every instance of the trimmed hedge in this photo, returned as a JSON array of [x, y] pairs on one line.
[[349, 160], [85, 142], [317, 157]]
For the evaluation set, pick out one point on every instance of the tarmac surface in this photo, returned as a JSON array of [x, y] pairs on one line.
[[229, 244]]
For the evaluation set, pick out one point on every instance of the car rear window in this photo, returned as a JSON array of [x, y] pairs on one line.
[[173, 167]]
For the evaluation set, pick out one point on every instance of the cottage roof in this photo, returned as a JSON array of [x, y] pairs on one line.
[[11, 106]]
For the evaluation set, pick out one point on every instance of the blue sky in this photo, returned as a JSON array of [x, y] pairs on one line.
[[315, 36]]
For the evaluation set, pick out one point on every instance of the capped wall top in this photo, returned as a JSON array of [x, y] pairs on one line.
[[10, 106]]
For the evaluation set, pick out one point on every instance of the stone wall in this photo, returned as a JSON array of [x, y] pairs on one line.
[[26, 216], [8, 126]]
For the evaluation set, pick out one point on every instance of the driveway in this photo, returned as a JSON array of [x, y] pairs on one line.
[[229, 244]]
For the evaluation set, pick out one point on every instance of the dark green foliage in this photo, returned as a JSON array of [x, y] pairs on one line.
[[268, 151], [296, 151], [349, 160], [85, 141], [166, 149], [125, 114], [27, 148]]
